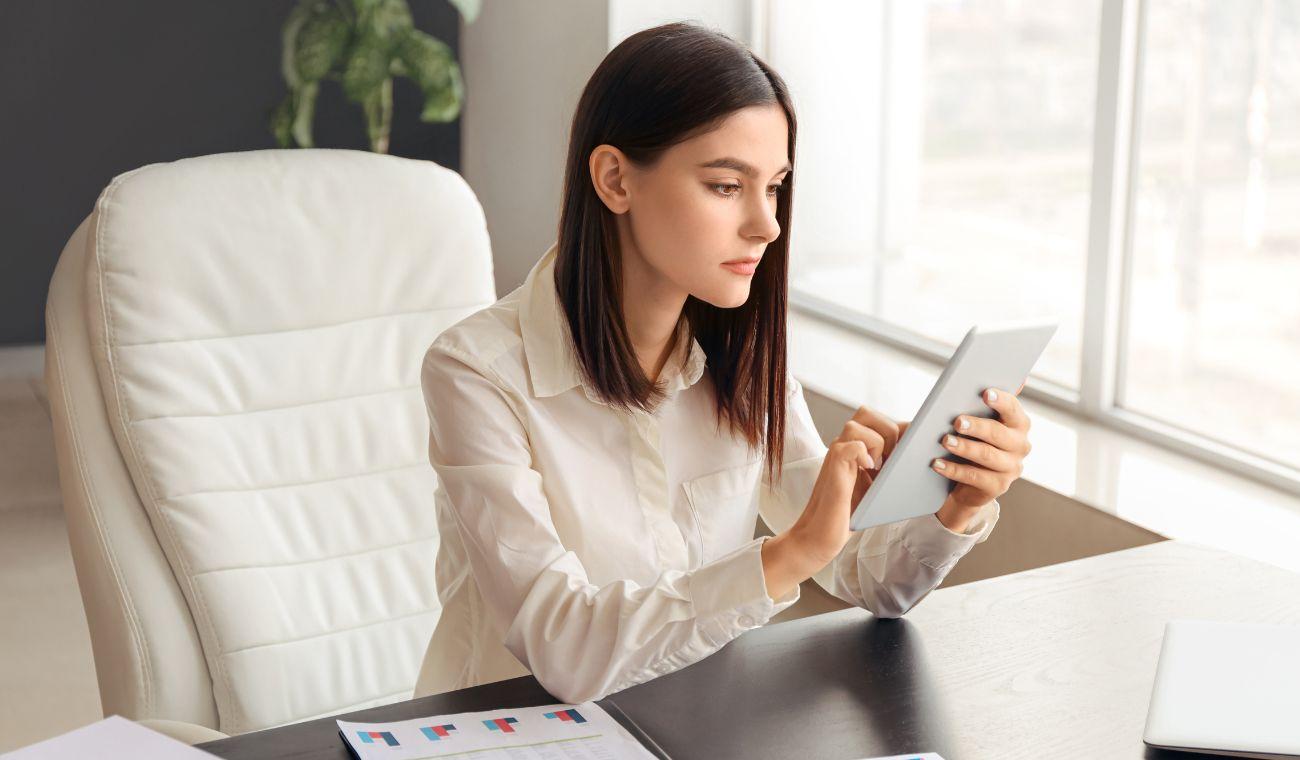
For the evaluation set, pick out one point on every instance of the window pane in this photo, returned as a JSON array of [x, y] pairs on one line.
[[1214, 322], [974, 120]]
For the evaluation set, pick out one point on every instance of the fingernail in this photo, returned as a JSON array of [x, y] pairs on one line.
[[993, 395], [939, 465], [965, 424], [950, 440]]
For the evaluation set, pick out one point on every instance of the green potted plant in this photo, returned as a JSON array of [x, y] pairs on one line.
[[363, 44]]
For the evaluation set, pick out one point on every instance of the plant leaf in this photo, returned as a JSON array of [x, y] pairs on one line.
[[321, 42], [390, 19], [431, 65], [427, 59], [366, 67], [444, 104], [289, 41], [281, 122], [304, 109], [468, 9], [378, 108]]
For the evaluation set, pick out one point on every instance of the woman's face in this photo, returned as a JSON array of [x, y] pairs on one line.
[[707, 201]]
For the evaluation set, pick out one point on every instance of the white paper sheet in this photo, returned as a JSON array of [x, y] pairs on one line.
[[551, 732], [113, 738], [916, 756]]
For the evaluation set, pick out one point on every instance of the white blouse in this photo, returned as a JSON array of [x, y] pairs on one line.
[[599, 548]]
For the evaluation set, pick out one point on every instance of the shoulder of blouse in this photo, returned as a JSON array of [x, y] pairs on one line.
[[489, 341]]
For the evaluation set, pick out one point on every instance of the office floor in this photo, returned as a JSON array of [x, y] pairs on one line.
[[47, 675]]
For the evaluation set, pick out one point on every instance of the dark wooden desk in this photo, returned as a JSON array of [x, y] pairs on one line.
[[1055, 662]]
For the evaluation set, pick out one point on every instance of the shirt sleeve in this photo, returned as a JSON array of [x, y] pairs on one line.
[[886, 569], [580, 640]]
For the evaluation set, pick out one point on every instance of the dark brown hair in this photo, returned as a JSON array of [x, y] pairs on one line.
[[657, 88]]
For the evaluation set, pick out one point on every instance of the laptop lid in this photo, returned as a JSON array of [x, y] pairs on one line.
[[1227, 688]]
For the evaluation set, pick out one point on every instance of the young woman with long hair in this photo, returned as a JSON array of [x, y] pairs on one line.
[[607, 435]]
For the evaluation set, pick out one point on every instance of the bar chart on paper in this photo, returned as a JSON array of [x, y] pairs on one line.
[[550, 732], [437, 733], [371, 737]]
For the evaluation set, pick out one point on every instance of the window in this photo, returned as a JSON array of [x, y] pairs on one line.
[[982, 140], [1119, 166], [1213, 341]]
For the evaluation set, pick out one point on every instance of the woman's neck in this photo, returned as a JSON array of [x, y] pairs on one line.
[[652, 310]]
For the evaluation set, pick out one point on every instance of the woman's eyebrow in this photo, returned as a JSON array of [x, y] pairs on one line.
[[727, 162]]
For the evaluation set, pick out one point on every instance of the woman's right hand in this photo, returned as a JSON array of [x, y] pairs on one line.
[[818, 535]]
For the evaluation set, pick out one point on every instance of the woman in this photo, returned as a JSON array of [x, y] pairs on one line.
[[606, 435]]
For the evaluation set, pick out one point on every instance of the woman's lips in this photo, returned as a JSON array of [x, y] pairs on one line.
[[743, 267]]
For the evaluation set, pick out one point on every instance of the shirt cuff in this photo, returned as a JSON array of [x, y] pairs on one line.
[[935, 546], [734, 587]]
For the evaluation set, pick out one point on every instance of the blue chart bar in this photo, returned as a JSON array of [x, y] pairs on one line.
[[505, 725], [437, 733], [369, 737], [566, 716]]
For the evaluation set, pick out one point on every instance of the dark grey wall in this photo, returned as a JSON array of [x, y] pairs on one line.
[[90, 89]]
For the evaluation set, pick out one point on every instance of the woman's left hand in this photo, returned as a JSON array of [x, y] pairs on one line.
[[995, 449]]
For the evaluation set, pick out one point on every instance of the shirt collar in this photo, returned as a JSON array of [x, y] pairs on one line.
[[548, 346]]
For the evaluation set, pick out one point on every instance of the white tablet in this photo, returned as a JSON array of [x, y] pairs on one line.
[[988, 357]]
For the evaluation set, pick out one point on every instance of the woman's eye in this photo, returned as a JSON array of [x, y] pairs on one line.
[[731, 190]]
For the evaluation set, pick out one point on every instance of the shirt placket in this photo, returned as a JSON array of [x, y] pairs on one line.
[[651, 479]]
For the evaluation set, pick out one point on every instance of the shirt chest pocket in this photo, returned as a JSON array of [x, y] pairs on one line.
[[725, 507]]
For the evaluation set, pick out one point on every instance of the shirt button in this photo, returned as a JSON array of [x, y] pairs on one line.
[[746, 621], [662, 668]]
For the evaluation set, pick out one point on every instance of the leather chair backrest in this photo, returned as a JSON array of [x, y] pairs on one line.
[[233, 354]]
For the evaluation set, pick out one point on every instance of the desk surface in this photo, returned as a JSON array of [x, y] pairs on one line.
[[1054, 662]]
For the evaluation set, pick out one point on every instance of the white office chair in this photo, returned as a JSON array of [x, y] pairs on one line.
[[232, 354]]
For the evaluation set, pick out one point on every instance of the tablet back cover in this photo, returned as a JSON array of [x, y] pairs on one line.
[[988, 357]]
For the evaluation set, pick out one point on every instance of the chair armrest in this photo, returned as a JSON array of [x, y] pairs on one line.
[[190, 733]]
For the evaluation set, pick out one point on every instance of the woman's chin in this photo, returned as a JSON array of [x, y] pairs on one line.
[[728, 298]]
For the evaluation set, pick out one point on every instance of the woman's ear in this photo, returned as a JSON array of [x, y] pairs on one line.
[[609, 175]]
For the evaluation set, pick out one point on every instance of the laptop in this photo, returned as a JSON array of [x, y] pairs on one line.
[[1227, 689]]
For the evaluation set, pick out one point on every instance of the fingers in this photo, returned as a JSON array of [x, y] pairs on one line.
[[994, 448], [852, 451], [985, 480], [888, 430], [983, 454], [874, 441], [1009, 433], [984, 429], [1008, 407]]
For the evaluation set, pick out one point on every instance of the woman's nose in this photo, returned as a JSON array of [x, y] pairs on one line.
[[762, 221]]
